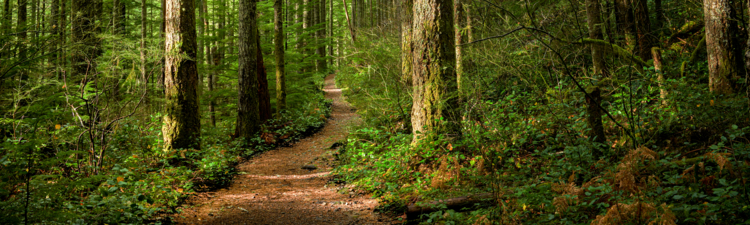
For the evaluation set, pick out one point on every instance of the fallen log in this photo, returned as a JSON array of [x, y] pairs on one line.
[[414, 209]]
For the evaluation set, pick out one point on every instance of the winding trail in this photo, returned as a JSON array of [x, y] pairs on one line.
[[272, 188]]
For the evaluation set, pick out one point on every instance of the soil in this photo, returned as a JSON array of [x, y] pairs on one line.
[[289, 185]]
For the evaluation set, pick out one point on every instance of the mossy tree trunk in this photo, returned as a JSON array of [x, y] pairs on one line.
[[593, 13], [406, 42], [248, 112], [182, 116], [279, 51], [435, 103], [725, 61], [625, 21]]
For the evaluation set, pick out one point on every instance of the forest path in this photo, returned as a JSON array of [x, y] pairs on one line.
[[272, 188]]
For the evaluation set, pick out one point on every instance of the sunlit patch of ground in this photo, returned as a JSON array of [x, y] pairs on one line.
[[272, 188]]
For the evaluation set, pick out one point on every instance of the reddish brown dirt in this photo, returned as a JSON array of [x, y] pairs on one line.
[[272, 188]]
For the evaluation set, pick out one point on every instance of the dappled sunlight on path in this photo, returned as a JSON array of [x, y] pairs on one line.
[[273, 188]]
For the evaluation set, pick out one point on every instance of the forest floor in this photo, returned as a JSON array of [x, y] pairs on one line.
[[273, 187]]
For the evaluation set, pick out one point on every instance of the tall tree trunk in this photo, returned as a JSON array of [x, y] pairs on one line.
[[55, 31], [248, 118], [298, 20], [161, 81], [85, 13], [348, 21], [201, 34], [469, 35], [118, 17], [435, 104], [279, 51], [659, 12], [21, 30], [211, 81], [7, 15], [307, 25], [330, 32], [626, 21], [144, 19], [264, 99], [643, 29], [458, 9], [407, 55], [321, 51], [725, 62], [594, 120], [182, 123], [595, 32]]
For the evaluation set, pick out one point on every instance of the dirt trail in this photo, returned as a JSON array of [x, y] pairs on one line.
[[272, 188]]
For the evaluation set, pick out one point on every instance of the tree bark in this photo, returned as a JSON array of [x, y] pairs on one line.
[[656, 52], [144, 76], [643, 29], [85, 13], [279, 51], [435, 103], [469, 35], [264, 99], [725, 62], [7, 15], [626, 22], [21, 29], [118, 17], [594, 120], [457, 18], [593, 13], [415, 209], [182, 120], [321, 37], [348, 21], [406, 42], [248, 112]]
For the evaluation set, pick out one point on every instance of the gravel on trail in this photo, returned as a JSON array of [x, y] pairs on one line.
[[289, 185]]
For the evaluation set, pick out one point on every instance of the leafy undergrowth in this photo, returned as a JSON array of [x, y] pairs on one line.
[[139, 182], [689, 166], [683, 159]]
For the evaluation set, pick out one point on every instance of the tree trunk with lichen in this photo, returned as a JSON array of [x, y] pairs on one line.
[[435, 103], [595, 32], [248, 112], [458, 9], [725, 61], [406, 42], [279, 53], [182, 120], [656, 52]]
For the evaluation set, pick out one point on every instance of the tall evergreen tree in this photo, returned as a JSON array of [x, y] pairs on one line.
[[182, 116], [725, 61], [248, 118], [279, 52], [435, 103]]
